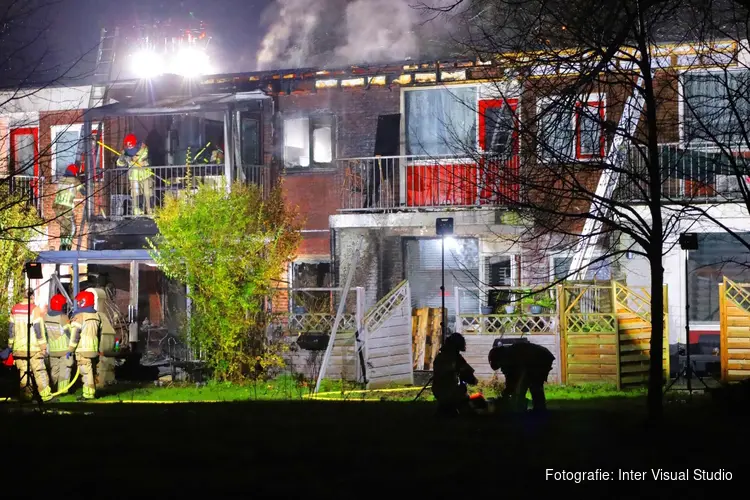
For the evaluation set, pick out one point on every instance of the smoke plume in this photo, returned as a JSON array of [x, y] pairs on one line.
[[307, 33]]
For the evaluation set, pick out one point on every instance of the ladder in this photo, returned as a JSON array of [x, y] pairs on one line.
[[105, 63], [339, 315], [616, 157]]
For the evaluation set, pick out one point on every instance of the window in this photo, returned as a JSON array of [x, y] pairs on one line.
[[499, 273], [308, 141], [440, 121], [716, 107], [423, 270], [576, 134], [718, 255], [313, 275], [24, 156], [65, 147]]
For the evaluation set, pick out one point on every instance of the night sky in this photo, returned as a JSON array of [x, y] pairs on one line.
[[73, 30]]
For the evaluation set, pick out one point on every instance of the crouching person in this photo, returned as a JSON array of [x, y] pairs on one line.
[[84, 342], [451, 374], [526, 367]]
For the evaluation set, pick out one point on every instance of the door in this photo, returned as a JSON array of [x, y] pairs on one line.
[[499, 145]]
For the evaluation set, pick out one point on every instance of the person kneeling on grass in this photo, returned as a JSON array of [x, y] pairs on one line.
[[526, 367], [451, 375]]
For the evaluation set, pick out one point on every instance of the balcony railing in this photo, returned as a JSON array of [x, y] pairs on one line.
[[688, 175], [116, 196], [29, 187], [411, 182]]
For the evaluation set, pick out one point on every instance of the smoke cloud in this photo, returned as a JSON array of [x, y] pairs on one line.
[[307, 33]]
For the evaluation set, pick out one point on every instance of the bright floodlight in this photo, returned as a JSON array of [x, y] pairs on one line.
[[147, 64], [191, 63]]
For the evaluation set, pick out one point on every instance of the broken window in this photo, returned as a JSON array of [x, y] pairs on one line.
[[308, 141], [499, 272], [498, 130], [306, 276]]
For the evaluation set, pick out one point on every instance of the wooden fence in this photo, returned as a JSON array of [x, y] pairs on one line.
[[734, 305], [605, 333]]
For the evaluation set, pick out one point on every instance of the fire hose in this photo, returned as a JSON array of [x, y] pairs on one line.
[[67, 387]]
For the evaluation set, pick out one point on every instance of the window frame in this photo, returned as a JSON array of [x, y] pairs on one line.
[[682, 112], [14, 133], [598, 100], [437, 160], [55, 130], [312, 120]]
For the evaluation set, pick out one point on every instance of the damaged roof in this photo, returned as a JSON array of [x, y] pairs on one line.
[[144, 105]]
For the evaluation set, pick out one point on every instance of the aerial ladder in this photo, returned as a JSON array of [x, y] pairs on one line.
[[616, 157], [103, 73]]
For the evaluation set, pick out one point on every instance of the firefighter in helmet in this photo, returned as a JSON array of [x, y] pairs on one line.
[[217, 156], [134, 156], [451, 374], [57, 328], [67, 189], [33, 351], [526, 367], [86, 329]]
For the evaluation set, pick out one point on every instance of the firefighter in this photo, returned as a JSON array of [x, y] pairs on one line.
[[57, 329], [67, 190], [134, 156], [451, 374], [526, 367], [217, 156], [34, 352], [84, 342]]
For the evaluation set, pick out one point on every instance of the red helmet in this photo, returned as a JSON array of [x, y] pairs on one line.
[[72, 170], [85, 299], [57, 302], [130, 141]]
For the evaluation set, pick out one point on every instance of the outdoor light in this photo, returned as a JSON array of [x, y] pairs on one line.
[[147, 64], [451, 244], [190, 62]]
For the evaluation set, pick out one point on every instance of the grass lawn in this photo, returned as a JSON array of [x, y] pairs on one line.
[[286, 388]]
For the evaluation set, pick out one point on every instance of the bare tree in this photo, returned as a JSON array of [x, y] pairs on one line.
[[581, 157]]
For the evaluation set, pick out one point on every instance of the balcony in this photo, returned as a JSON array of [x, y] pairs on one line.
[[114, 198], [29, 187], [418, 182], [689, 175]]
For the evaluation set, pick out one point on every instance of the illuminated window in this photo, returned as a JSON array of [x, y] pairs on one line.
[[308, 141]]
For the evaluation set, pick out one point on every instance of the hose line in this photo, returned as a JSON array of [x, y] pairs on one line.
[[73, 381]]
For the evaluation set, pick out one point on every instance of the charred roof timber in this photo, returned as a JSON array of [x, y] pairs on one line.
[[308, 80]]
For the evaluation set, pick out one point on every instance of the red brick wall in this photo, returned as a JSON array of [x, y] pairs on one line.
[[317, 193], [46, 122]]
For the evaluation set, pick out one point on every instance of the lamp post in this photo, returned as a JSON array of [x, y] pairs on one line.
[[33, 272], [443, 228], [688, 242]]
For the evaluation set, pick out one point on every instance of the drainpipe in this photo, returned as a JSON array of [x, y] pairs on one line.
[[334, 271], [228, 149]]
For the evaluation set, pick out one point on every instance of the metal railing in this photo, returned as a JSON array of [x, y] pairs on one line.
[[688, 175], [388, 182], [115, 195], [27, 186]]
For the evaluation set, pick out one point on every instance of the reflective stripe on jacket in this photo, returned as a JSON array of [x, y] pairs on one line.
[[67, 189], [86, 328], [57, 330], [18, 334]]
